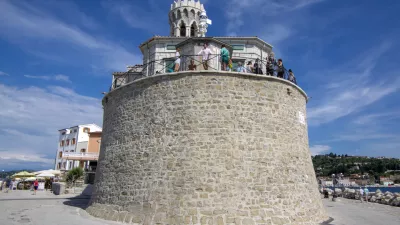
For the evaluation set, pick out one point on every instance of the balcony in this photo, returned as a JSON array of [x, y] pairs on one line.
[[84, 156]]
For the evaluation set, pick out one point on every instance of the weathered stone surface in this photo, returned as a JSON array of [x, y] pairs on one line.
[[208, 146]]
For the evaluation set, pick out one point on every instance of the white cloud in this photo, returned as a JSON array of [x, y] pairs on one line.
[[30, 118], [4, 73], [58, 77], [359, 135], [319, 149], [376, 118], [237, 9], [140, 19], [350, 88], [25, 24]]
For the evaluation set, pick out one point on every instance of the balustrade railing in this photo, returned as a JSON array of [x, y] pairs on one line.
[[240, 62]]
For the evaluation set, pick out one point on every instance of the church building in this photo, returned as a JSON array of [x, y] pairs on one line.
[[188, 27]]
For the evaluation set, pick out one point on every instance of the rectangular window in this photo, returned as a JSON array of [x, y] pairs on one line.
[[171, 47], [238, 47]]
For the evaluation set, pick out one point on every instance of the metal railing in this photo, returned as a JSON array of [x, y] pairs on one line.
[[80, 155], [167, 65]]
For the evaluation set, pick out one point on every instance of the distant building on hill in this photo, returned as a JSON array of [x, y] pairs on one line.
[[78, 146]]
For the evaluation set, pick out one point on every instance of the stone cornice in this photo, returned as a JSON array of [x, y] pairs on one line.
[[213, 73]]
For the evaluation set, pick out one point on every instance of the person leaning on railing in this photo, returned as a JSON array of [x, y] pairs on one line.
[[205, 53]]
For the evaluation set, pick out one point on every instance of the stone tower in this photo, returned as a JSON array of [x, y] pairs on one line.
[[184, 18], [205, 146]]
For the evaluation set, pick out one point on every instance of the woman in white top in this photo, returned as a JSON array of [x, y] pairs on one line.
[[177, 60]]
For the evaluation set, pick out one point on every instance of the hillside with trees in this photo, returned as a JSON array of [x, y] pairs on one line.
[[326, 165]]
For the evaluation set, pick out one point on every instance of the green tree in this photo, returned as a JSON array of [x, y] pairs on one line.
[[74, 175]]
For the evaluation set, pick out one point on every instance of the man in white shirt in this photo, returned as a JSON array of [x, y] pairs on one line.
[[205, 52], [361, 194]]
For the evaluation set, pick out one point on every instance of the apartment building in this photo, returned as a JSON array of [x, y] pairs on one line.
[[76, 148]]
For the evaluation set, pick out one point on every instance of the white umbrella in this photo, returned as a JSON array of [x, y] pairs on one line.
[[55, 172], [45, 175]]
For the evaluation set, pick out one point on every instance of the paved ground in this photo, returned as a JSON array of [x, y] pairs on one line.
[[353, 212], [21, 207]]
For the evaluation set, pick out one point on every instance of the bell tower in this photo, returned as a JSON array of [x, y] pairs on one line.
[[184, 18]]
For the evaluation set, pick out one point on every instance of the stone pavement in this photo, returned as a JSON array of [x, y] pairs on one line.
[[353, 212], [21, 207]]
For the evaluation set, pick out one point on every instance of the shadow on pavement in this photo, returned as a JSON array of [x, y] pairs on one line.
[[79, 202], [328, 222], [82, 200]]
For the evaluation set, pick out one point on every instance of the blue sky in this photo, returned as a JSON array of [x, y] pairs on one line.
[[56, 57]]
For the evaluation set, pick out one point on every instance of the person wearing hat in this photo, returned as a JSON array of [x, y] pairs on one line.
[[291, 77]]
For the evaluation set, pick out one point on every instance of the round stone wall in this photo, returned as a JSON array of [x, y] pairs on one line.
[[206, 148]]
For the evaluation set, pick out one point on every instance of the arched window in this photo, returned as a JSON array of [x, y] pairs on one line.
[[198, 14], [192, 13], [186, 13], [73, 141], [179, 14], [83, 150], [67, 143], [62, 143], [86, 130], [182, 28], [193, 30]]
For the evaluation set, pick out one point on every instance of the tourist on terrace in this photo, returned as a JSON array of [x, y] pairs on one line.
[[224, 58], [280, 70], [291, 77], [249, 67], [205, 53], [177, 60], [192, 66], [241, 68], [257, 67], [270, 64]]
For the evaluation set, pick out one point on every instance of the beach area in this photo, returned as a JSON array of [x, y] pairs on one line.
[[21, 207]]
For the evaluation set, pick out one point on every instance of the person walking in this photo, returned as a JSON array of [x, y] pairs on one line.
[[35, 186], [205, 53], [361, 194], [177, 60], [224, 58], [366, 193]]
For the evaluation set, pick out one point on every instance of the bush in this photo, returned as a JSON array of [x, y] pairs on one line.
[[74, 175]]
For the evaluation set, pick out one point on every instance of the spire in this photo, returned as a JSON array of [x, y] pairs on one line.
[[184, 18]]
